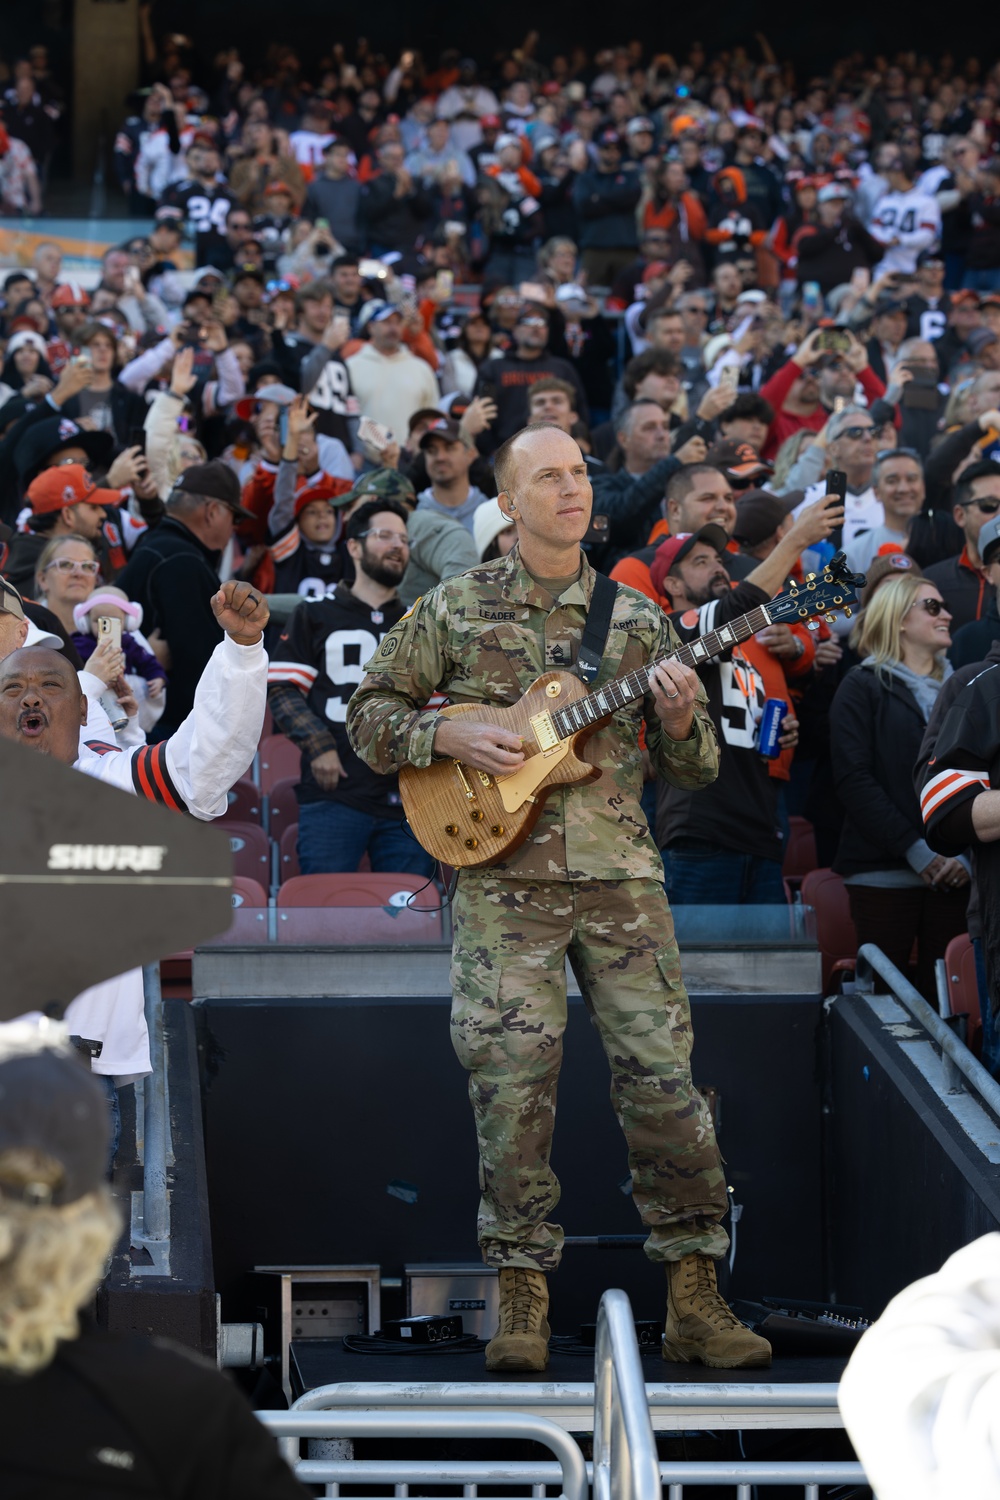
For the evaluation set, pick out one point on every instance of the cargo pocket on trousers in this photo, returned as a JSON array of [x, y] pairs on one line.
[[476, 1026], [668, 962]]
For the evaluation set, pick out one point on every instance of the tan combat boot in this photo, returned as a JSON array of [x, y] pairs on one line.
[[702, 1326], [522, 1340]]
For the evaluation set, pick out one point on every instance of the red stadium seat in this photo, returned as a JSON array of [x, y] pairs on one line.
[[245, 803], [248, 892], [280, 760], [800, 853], [357, 908], [282, 808], [963, 986], [251, 851], [288, 854], [826, 893]]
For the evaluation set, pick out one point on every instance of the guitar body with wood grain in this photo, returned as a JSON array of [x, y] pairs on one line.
[[471, 818]]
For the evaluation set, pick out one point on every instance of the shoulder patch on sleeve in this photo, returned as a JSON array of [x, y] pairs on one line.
[[100, 748]]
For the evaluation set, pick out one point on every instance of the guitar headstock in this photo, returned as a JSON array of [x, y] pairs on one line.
[[819, 594]]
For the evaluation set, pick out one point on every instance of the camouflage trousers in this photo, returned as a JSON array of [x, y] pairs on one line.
[[508, 1018]]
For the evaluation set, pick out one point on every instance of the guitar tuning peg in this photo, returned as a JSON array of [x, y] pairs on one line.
[[813, 625], [828, 619], [810, 578], [847, 614]]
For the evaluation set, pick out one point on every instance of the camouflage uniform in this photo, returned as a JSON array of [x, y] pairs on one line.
[[587, 883]]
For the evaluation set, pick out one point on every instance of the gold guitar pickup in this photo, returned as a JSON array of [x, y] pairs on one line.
[[544, 731]]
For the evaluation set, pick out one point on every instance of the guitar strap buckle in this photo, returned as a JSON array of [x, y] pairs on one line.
[[595, 632]]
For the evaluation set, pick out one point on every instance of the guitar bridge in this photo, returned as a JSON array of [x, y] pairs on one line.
[[546, 737]]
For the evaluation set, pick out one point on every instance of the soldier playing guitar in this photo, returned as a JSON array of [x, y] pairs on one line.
[[586, 881]]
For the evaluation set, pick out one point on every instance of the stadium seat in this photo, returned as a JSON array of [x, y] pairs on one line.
[[826, 893], [357, 908], [288, 854], [282, 808], [247, 892], [963, 986], [800, 852], [280, 760], [251, 851], [245, 804]]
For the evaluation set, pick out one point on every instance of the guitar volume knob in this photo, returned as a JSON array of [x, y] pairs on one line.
[[472, 843], [478, 815], [451, 828], [497, 828]]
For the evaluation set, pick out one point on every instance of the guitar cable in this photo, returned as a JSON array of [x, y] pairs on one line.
[[449, 887]]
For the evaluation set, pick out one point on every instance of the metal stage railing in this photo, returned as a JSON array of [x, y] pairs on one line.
[[957, 1057], [625, 1460], [150, 1228], [616, 1408], [401, 1474]]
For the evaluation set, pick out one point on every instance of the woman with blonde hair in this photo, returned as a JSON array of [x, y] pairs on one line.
[[85, 1412], [900, 891]]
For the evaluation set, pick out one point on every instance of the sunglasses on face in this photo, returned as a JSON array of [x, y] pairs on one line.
[[858, 432], [988, 507], [931, 606]]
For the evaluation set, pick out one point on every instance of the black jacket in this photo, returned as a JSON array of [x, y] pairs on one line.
[[829, 254], [122, 1415], [963, 587], [392, 223], [605, 204], [173, 576], [128, 413], [973, 641], [875, 732]]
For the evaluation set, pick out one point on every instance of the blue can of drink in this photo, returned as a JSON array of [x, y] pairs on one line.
[[775, 709]]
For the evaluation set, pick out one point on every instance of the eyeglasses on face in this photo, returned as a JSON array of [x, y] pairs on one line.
[[70, 565], [930, 606], [384, 534]]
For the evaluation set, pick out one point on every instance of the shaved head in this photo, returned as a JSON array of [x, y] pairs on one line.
[[42, 705]]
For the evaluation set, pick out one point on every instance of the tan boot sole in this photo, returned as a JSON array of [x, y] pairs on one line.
[[518, 1352], [691, 1354]]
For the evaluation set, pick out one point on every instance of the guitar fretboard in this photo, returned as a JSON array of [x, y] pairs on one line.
[[624, 690]]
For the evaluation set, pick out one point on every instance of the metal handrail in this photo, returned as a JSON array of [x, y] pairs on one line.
[[555, 1394], [288, 1426], [626, 1466], [871, 958], [155, 1206]]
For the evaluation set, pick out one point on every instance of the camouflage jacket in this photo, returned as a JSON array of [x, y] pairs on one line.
[[484, 636]]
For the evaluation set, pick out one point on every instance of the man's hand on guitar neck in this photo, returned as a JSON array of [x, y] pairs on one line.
[[675, 689], [484, 747]]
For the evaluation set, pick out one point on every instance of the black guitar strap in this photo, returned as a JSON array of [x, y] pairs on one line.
[[595, 633]]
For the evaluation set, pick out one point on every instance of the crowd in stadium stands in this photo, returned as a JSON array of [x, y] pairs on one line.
[[349, 283]]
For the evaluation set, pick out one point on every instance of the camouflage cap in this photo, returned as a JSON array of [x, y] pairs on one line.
[[380, 484]]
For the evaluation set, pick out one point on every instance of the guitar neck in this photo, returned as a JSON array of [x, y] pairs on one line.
[[634, 685]]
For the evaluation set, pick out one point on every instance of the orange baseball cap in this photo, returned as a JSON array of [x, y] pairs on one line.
[[66, 484]]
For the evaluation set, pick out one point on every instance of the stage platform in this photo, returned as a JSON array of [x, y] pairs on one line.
[[794, 1393]]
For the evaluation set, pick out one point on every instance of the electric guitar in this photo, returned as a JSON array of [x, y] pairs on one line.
[[470, 818]]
